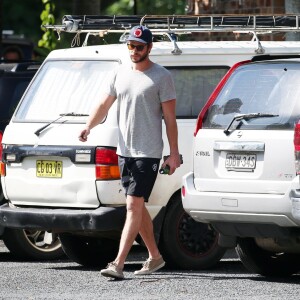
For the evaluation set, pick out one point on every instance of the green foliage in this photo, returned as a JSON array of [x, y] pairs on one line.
[[24, 17], [49, 37]]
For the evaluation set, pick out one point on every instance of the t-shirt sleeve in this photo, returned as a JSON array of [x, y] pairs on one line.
[[167, 88], [109, 84]]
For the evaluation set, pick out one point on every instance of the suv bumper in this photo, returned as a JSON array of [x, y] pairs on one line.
[[295, 197], [215, 207], [63, 220]]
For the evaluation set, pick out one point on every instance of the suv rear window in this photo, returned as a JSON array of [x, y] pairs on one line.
[[194, 86], [266, 88]]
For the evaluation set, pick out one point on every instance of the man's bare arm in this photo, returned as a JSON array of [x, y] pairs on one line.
[[169, 113], [97, 115]]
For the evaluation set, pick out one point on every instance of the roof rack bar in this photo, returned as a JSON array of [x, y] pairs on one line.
[[179, 23]]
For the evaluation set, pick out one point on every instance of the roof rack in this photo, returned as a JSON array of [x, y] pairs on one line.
[[172, 25], [178, 23]]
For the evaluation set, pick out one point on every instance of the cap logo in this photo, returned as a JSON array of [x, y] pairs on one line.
[[138, 33]]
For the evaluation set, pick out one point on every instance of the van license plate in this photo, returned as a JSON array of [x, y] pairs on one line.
[[49, 168], [241, 162]]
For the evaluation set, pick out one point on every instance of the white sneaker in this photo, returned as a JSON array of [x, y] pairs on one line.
[[150, 265], [113, 271]]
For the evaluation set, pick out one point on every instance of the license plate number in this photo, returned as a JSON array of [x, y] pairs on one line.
[[49, 168], [241, 162]]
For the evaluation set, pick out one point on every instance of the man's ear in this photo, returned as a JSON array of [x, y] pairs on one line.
[[150, 47]]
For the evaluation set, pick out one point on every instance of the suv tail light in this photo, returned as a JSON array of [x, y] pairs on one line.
[[214, 95], [297, 147], [2, 165], [106, 164]]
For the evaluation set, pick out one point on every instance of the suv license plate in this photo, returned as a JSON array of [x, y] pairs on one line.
[[240, 162], [49, 168]]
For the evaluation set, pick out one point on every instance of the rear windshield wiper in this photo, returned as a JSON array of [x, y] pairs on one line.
[[70, 114], [247, 117]]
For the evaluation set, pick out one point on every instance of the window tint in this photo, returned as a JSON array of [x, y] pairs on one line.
[[193, 87], [271, 88]]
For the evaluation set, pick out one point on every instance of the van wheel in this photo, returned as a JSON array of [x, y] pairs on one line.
[[31, 245], [89, 251], [266, 263], [187, 244]]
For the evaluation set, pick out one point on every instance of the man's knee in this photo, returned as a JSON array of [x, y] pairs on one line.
[[135, 204]]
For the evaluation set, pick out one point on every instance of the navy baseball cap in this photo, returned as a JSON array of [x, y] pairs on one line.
[[140, 34]]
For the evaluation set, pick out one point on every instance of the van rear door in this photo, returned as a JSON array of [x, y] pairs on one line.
[[46, 164]]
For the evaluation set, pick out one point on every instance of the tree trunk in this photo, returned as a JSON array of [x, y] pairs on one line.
[[292, 7]]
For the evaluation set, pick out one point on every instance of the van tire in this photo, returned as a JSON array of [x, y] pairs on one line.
[[266, 263], [29, 245], [89, 251], [187, 244]]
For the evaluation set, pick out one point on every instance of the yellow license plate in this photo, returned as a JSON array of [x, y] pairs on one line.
[[49, 168]]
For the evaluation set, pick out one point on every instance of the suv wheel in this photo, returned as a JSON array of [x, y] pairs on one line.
[[266, 263], [187, 244], [30, 244], [89, 251]]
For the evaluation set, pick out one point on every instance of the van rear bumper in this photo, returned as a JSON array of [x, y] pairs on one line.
[[62, 220], [215, 207]]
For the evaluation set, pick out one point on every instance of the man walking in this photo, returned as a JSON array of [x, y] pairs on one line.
[[145, 91]]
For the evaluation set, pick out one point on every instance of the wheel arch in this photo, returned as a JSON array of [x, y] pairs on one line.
[[159, 219]]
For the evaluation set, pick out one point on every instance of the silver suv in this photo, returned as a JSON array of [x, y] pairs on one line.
[[244, 181]]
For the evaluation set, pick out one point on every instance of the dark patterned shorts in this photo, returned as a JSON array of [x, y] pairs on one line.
[[138, 175]]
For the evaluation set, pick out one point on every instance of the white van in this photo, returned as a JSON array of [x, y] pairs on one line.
[[51, 181]]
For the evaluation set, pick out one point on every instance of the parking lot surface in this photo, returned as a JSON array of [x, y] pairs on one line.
[[67, 280]]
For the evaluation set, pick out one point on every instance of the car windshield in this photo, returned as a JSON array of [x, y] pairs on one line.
[[262, 88], [64, 86]]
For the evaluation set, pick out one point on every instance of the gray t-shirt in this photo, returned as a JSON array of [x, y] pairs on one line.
[[139, 96]]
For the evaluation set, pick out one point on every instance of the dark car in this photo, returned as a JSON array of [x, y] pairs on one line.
[[25, 244]]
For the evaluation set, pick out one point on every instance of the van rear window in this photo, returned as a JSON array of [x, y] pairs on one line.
[[266, 88], [63, 87], [73, 86]]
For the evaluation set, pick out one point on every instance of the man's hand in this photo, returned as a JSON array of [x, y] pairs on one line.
[[84, 135], [173, 161]]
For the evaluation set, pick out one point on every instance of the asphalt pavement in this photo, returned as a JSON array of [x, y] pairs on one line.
[[66, 280]]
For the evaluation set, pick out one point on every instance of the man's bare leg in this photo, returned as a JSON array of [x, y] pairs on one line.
[[147, 234], [131, 228]]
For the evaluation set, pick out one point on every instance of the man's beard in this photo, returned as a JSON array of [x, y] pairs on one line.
[[142, 58]]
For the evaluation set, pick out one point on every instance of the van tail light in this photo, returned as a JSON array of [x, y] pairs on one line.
[[297, 147], [214, 95], [106, 161], [2, 165]]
